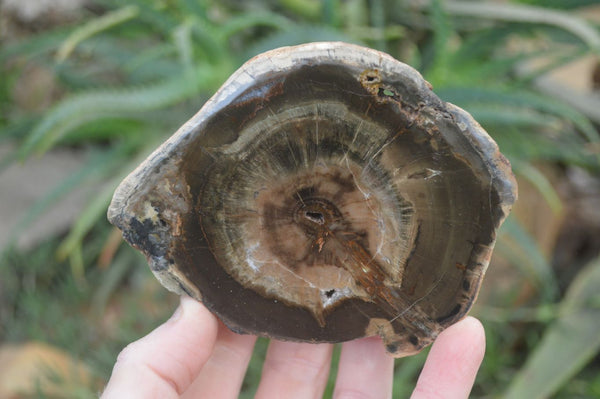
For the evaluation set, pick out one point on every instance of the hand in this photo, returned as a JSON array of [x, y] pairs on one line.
[[193, 355]]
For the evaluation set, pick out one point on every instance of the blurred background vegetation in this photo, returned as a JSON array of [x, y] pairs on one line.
[[106, 81]]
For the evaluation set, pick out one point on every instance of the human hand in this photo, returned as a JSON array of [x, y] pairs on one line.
[[193, 355]]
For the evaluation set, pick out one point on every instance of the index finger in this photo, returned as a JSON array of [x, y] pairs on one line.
[[165, 362]]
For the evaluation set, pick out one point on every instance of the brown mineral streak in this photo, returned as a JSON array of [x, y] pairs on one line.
[[371, 277]]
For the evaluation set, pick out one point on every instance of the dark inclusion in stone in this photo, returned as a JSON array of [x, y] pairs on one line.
[[323, 194]]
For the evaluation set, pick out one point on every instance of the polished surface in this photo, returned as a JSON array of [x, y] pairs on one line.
[[323, 194]]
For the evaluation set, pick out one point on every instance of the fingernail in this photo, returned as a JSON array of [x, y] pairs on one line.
[[188, 302], [185, 304], [177, 314]]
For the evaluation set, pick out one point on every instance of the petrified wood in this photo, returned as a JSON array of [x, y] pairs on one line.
[[323, 194]]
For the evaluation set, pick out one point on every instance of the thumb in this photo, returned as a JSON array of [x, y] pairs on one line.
[[165, 362]]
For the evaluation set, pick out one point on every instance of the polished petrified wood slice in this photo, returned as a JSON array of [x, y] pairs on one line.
[[323, 194]]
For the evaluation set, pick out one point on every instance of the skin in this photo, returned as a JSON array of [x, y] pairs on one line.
[[193, 355]]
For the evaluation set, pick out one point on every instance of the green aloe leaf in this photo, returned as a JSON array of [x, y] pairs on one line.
[[439, 73], [96, 209], [568, 344], [251, 20], [527, 14], [521, 99], [528, 145], [309, 9], [540, 182], [520, 248], [94, 27], [87, 219], [158, 17], [377, 13], [498, 115], [297, 34], [99, 167], [87, 107], [32, 47]]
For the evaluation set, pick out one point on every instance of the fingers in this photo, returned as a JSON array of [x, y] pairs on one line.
[[365, 370], [453, 361], [295, 370], [223, 373], [165, 362]]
